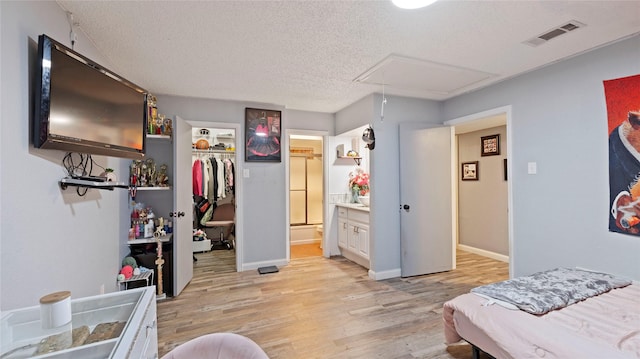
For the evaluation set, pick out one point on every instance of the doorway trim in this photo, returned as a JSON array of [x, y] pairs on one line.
[[238, 164], [325, 195], [487, 119]]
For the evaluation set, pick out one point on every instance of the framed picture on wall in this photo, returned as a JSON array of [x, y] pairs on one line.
[[262, 135], [490, 145], [470, 171]]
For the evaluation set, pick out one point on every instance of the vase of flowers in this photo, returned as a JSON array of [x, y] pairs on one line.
[[358, 183]]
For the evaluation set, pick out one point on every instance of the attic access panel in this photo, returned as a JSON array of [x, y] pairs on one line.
[[420, 75]]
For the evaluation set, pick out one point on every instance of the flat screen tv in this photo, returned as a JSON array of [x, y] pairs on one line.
[[82, 107]]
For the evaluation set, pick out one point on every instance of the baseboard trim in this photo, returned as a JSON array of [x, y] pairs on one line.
[[484, 253], [392, 273]]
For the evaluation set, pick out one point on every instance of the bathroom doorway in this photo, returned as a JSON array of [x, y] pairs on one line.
[[306, 173]]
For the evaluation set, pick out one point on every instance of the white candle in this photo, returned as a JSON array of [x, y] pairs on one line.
[[55, 309]]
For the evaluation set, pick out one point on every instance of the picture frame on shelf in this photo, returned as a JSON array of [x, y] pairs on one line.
[[470, 171], [262, 135], [490, 145]]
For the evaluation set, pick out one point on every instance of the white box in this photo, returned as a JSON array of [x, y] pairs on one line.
[[202, 246]]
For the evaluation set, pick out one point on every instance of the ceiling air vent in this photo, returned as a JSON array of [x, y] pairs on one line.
[[555, 32]]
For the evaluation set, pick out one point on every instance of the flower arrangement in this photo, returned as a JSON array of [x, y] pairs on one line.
[[359, 181]]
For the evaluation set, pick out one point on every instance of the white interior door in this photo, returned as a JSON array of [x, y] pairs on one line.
[[182, 201], [426, 220]]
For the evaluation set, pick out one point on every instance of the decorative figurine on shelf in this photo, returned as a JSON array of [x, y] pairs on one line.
[[159, 232], [159, 262], [142, 178], [135, 168], [150, 173], [152, 105], [150, 214], [159, 122], [168, 127], [109, 174], [162, 179]]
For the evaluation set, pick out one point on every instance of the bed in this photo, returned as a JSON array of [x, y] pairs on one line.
[[604, 325]]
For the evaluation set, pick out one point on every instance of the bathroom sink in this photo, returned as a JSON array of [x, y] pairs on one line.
[[364, 200]]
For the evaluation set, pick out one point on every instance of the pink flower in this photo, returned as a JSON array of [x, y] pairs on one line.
[[359, 181]]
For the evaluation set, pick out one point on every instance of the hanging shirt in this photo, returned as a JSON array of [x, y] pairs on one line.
[[221, 192], [229, 174], [214, 177], [196, 176]]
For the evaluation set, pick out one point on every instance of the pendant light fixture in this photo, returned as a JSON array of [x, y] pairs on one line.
[[412, 4]]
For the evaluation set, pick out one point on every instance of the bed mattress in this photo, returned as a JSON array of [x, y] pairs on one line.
[[604, 326]]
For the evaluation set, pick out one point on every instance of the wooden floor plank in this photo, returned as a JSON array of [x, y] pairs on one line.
[[322, 308]]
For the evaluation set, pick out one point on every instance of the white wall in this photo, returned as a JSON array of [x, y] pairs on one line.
[[559, 121], [50, 239], [384, 166], [482, 204]]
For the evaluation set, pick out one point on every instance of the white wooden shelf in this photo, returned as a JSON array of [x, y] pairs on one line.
[[160, 137], [356, 159], [213, 151], [165, 238], [153, 188]]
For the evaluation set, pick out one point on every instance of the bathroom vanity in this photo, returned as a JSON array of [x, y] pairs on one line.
[[353, 232]]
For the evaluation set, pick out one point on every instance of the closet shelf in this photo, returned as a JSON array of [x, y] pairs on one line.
[[168, 188], [160, 137], [212, 151]]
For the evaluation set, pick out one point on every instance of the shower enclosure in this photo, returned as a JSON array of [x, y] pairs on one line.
[[305, 190]]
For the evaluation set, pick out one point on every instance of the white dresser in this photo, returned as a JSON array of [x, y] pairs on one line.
[[134, 311], [353, 232]]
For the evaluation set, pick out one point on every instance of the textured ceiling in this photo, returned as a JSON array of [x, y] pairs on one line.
[[307, 55]]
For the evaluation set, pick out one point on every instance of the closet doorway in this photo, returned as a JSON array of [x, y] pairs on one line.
[[216, 197], [306, 193]]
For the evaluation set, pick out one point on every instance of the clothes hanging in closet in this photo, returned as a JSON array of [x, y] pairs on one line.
[[213, 178], [197, 177]]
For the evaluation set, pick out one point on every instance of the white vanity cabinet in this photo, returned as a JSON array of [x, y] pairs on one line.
[[353, 232], [343, 227], [133, 310]]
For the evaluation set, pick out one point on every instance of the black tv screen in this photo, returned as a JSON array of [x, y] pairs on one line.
[[83, 107]]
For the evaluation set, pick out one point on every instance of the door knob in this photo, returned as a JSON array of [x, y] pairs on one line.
[[176, 214], [406, 207]]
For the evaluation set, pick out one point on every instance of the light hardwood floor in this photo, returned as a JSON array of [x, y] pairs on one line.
[[322, 308], [305, 250]]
